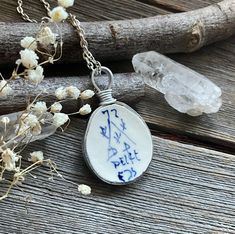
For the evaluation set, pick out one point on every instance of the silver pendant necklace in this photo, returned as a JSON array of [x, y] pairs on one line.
[[117, 144]]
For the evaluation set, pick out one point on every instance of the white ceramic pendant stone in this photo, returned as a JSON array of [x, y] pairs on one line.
[[118, 143]]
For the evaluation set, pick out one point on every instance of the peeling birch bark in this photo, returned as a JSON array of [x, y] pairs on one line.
[[115, 40]]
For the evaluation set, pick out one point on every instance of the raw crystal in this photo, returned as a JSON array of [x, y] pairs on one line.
[[185, 90]]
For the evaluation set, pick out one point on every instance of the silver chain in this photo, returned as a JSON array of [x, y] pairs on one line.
[[92, 63], [24, 16]]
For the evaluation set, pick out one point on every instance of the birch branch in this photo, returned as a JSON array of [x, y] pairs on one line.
[[115, 40], [128, 87]]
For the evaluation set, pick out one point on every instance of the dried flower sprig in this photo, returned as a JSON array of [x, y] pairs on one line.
[[29, 124], [18, 131], [59, 13]]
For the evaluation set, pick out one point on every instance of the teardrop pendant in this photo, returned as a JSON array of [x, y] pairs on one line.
[[118, 144]]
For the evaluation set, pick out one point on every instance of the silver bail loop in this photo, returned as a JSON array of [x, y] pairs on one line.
[[105, 96]]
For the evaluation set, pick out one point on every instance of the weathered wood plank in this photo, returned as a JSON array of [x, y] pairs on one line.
[[88, 10], [179, 5], [216, 63], [186, 190], [97, 10]]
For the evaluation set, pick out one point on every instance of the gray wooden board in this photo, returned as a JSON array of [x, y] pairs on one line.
[[91, 10], [88, 10], [187, 189], [180, 5]]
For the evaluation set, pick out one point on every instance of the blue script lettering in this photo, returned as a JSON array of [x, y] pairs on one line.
[[121, 149]]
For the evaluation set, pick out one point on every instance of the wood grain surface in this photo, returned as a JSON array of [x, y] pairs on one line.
[[189, 187]]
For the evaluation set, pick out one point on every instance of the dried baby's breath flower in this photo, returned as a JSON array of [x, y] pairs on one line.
[[22, 127], [5, 89], [5, 120], [39, 108], [31, 121], [46, 37], [85, 110], [36, 156], [66, 3], [29, 43], [36, 130], [36, 75], [84, 189], [73, 92], [87, 94], [9, 159], [61, 93], [56, 107], [29, 58], [58, 14], [60, 119]]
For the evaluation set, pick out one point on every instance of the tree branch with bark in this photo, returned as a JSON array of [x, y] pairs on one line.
[[115, 40]]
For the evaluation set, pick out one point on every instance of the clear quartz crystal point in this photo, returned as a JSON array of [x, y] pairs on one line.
[[185, 90]]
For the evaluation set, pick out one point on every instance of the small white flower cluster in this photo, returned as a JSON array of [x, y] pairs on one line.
[[68, 92], [46, 37], [29, 124], [74, 93], [84, 189], [9, 159], [5, 89], [56, 107], [29, 58], [29, 43], [59, 13], [60, 119], [36, 156], [85, 110], [38, 114]]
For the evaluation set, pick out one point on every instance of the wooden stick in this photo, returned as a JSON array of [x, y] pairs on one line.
[[127, 87], [115, 40]]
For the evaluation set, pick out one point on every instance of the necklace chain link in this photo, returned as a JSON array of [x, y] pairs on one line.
[[26, 17], [92, 63]]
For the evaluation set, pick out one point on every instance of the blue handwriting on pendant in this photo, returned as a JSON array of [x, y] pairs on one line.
[[121, 149]]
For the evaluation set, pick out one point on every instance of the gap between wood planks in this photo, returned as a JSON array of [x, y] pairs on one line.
[[190, 140], [177, 6], [175, 136], [163, 5]]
